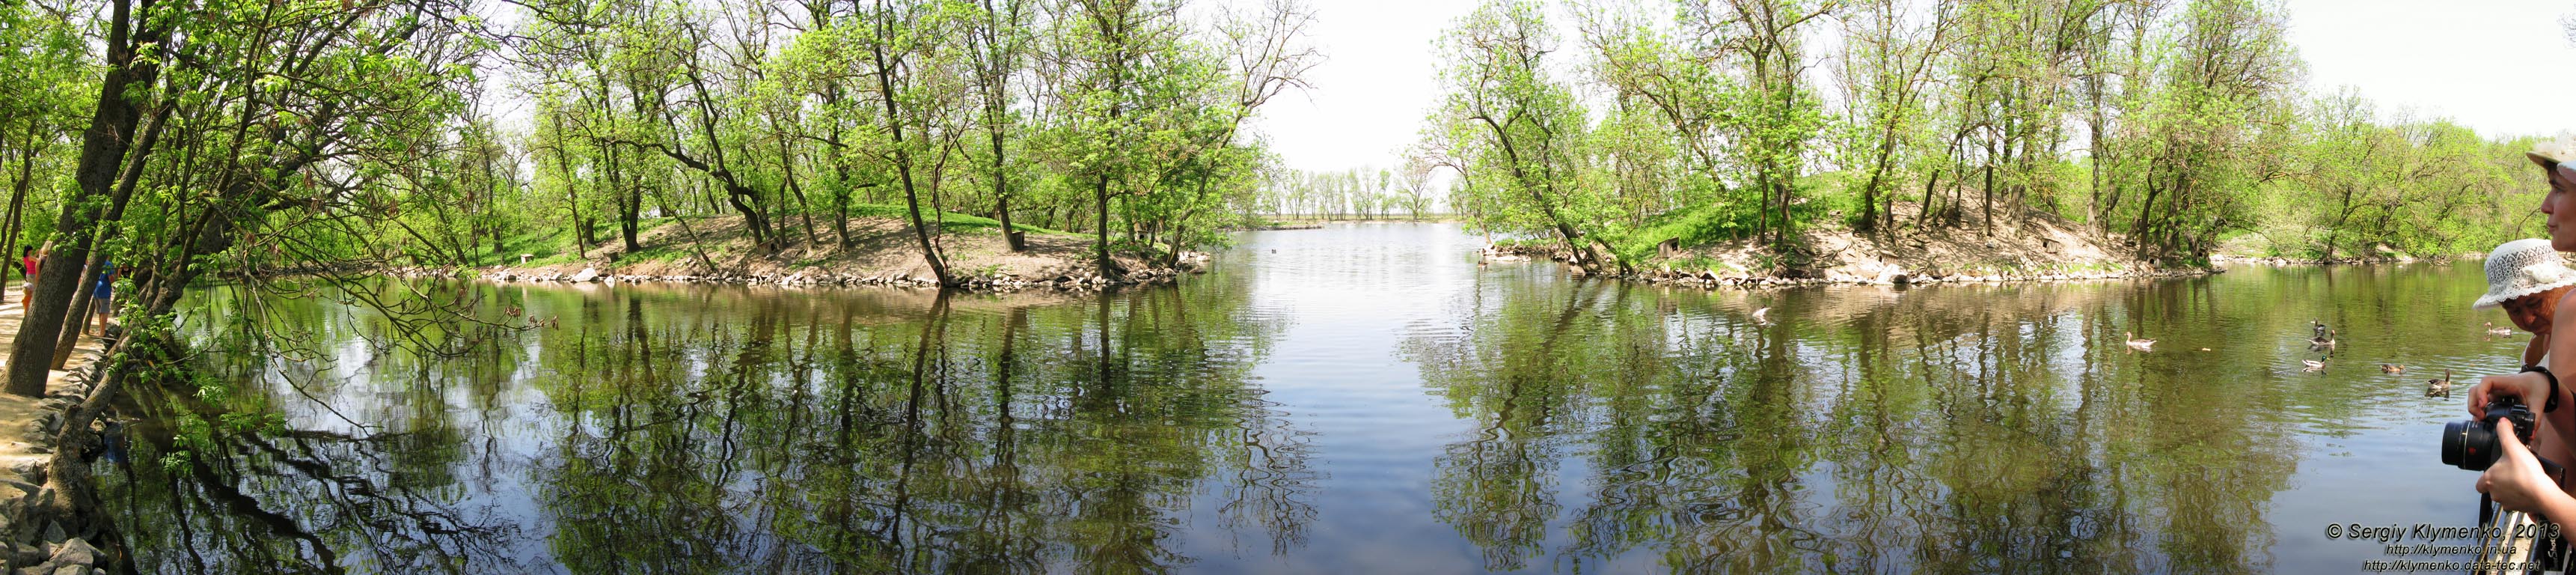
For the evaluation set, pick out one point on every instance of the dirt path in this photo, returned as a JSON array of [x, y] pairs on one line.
[[19, 414]]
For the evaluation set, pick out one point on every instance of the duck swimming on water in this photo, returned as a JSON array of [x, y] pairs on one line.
[[2498, 331], [2391, 368], [2325, 341], [2313, 365], [2138, 344], [2438, 387]]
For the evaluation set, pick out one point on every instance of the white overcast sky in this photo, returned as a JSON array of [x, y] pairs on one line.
[[2498, 66]]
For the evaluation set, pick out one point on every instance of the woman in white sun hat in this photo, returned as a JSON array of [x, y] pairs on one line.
[[2517, 480], [2526, 278]]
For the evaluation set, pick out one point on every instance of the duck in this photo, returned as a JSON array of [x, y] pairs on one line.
[[2326, 341], [2391, 368], [2438, 387], [1762, 316], [2138, 344], [2498, 331], [2314, 364]]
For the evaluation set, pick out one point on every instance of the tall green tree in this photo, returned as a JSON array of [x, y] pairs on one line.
[[1518, 130]]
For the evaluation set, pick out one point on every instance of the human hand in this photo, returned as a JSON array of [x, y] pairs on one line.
[[2522, 386], [2516, 481]]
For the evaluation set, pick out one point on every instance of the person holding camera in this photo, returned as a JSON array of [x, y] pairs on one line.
[[2516, 479], [2526, 277]]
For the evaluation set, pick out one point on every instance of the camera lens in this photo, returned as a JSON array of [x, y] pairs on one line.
[[2468, 445]]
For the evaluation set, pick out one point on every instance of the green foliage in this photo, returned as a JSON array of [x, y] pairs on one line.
[[1518, 133], [952, 222], [2160, 127]]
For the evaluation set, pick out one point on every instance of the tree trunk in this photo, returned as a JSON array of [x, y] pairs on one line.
[[103, 153], [787, 163], [18, 193], [81, 303], [1988, 191], [1002, 198], [629, 200], [903, 155]]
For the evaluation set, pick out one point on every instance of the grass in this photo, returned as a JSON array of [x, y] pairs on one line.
[[554, 246]]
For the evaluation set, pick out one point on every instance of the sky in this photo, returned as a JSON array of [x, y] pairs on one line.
[[2501, 67]]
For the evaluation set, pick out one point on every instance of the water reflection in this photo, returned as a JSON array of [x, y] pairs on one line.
[[735, 430], [1871, 430], [1362, 398]]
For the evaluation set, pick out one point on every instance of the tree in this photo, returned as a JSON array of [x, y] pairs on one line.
[[1888, 68], [1518, 131], [135, 45]]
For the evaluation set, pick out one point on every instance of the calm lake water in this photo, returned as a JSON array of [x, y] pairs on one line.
[[1352, 399]]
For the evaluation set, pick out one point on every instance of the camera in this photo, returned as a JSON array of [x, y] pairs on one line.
[[2471, 444]]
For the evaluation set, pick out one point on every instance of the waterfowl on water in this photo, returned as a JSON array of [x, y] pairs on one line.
[[2493, 330], [2438, 387], [1762, 316], [2326, 341], [2138, 344], [2391, 368], [2314, 364]]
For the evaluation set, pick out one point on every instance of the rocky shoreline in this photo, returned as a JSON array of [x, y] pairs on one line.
[[43, 545], [1190, 262], [1892, 276]]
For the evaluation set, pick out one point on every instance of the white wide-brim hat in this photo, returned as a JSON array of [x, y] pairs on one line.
[[2523, 267]]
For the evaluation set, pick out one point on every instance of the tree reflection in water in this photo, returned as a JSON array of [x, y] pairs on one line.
[[1598, 426], [697, 430], [1950, 430]]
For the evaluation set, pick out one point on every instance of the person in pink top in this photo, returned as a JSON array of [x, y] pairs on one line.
[[27, 260]]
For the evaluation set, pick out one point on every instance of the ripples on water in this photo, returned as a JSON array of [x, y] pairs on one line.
[[1360, 398]]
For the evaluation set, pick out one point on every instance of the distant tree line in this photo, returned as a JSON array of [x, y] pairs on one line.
[[1365, 193], [2171, 128]]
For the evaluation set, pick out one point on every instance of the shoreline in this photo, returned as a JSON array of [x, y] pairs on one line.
[[1904, 275], [2038, 247], [879, 252], [2215, 259], [36, 423], [811, 276], [1712, 279]]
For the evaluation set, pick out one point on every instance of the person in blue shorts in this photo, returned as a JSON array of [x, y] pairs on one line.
[[102, 295]]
